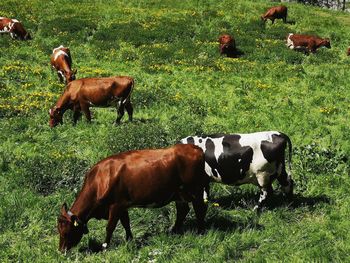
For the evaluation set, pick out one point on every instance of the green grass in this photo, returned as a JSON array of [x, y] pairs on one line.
[[183, 87]]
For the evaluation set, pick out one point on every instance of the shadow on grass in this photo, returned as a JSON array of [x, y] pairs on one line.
[[248, 200]]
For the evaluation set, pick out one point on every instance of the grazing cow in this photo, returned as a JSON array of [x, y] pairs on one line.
[[276, 12], [348, 51], [142, 178], [14, 27], [307, 43], [61, 60], [256, 158], [227, 45], [81, 94]]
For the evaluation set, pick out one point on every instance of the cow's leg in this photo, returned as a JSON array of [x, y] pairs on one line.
[[200, 209], [76, 115], [285, 19], [182, 210], [265, 184], [113, 217], [286, 183], [273, 21], [129, 109], [125, 220], [265, 193], [85, 108], [120, 114]]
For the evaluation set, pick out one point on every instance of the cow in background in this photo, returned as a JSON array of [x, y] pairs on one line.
[[276, 12], [81, 94], [14, 28], [61, 61], [142, 178], [227, 45], [307, 43], [257, 158], [348, 51]]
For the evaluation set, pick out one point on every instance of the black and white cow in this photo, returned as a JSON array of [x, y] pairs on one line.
[[14, 28], [257, 158]]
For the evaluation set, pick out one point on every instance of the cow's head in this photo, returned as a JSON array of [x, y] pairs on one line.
[[227, 44], [20, 32], [70, 76], [55, 116], [70, 228], [327, 43]]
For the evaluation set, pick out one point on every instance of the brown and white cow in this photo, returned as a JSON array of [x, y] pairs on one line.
[[142, 178], [61, 61], [81, 94], [227, 45], [276, 12], [14, 28], [306, 43], [256, 158]]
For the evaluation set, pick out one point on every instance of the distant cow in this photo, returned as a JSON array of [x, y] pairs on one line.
[[61, 61], [143, 178], [348, 51], [306, 43], [276, 12], [14, 28], [81, 94], [256, 158], [227, 45]]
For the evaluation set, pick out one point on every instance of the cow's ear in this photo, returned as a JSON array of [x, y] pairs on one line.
[[64, 208]]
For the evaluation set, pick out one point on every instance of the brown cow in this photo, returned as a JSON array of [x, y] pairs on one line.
[[61, 61], [306, 43], [227, 45], [81, 94], [348, 51], [142, 178], [276, 12], [14, 27]]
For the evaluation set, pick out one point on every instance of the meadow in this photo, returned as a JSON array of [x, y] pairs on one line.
[[183, 87]]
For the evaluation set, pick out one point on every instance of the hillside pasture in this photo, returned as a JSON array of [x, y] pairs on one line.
[[182, 87]]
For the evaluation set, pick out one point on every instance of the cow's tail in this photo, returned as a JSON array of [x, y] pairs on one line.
[[131, 88], [290, 151]]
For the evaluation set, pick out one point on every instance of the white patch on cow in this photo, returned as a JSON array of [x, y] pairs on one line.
[[104, 245], [290, 43], [90, 103], [15, 21], [263, 196], [260, 169], [60, 53], [57, 48], [62, 75]]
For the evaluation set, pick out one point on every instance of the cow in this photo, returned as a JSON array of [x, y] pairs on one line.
[[139, 178], [256, 158], [227, 45], [276, 12], [348, 51], [14, 28], [306, 43], [81, 94], [61, 61]]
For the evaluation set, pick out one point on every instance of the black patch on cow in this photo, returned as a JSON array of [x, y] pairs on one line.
[[200, 140], [275, 150], [190, 140], [228, 165], [210, 156]]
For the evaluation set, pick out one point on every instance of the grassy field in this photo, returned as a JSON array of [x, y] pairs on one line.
[[183, 87]]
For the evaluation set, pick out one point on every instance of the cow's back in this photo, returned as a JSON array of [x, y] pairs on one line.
[[141, 177], [237, 158]]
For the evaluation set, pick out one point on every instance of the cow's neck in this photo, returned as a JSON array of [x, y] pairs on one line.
[[83, 206], [63, 102]]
